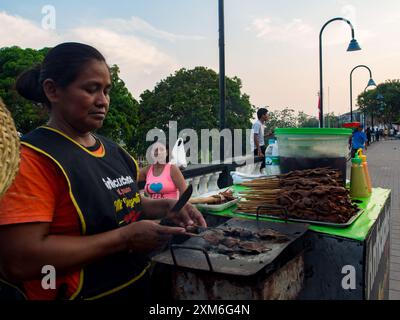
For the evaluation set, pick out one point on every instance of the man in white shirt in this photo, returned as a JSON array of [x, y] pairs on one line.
[[258, 134]]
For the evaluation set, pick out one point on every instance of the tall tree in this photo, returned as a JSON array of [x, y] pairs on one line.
[[285, 118], [191, 98], [121, 122], [386, 110], [13, 61], [306, 121]]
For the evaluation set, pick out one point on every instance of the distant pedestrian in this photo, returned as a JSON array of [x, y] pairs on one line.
[[358, 140], [257, 136], [368, 133]]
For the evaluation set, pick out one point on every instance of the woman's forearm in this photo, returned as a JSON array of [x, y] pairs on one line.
[[24, 259]]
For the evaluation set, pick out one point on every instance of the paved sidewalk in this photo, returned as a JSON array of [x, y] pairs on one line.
[[384, 166]]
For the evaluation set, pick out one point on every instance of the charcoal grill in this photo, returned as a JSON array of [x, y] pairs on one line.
[[197, 271]]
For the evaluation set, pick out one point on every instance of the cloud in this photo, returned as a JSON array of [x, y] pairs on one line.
[[269, 30], [349, 12], [17, 31], [136, 24], [142, 63], [298, 32]]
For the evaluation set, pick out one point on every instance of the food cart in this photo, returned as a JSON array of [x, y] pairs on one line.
[[348, 261], [335, 255]]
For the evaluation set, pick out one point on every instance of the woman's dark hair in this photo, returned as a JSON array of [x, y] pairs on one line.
[[62, 64]]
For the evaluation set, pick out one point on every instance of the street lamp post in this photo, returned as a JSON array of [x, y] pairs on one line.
[[353, 46], [222, 93], [371, 82]]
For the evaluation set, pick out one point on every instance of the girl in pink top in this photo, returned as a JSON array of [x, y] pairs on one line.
[[163, 180]]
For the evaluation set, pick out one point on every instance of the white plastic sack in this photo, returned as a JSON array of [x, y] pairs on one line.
[[178, 156]]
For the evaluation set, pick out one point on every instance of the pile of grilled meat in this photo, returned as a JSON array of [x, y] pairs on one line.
[[317, 195], [231, 241]]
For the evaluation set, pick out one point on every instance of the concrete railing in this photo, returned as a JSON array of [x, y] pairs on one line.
[[210, 177]]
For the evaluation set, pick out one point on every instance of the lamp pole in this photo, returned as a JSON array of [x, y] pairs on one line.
[[222, 93], [353, 46], [371, 82]]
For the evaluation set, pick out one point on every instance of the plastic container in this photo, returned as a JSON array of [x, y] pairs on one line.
[[358, 180], [313, 142], [309, 148], [365, 167], [272, 159]]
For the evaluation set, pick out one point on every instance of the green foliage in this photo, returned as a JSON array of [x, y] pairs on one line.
[[13, 61], [122, 119], [191, 97], [306, 121], [331, 121], [386, 111], [121, 122], [285, 118]]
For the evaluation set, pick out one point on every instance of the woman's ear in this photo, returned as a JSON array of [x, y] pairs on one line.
[[50, 90]]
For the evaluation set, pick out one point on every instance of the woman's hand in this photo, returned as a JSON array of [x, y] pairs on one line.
[[187, 216], [146, 236]]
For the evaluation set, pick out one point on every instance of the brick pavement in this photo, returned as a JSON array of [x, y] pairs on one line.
[[384, 166]]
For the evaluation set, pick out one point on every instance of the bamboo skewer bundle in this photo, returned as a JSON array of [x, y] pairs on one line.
[[262, 191], [304, 191], [264, 183]]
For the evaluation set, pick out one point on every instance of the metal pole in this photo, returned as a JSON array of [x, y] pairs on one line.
[[351, 87], [222, 93], [321, 97], [351, 97], [321, 116]]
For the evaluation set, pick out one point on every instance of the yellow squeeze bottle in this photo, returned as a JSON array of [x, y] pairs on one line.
[[358, 181], [366, 171]]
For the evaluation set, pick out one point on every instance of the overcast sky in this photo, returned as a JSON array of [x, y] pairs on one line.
[[271, 45]]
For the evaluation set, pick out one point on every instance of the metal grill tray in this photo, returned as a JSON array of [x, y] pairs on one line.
[[198, 258], [316, 222]]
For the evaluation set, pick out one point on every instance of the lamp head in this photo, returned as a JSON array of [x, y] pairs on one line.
[[353, 45], [371, 82]]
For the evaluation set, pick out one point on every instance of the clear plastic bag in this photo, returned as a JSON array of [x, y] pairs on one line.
[[178, 155]]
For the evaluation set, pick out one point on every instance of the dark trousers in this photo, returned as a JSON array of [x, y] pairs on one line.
[[263, 152]]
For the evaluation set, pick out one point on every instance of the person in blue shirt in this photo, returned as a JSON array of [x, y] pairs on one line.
[[358, 140]]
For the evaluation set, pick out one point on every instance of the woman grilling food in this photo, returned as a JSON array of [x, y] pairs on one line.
[[75, 204]]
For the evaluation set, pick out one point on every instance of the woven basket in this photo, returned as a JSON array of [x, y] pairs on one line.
[[9, 149]]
